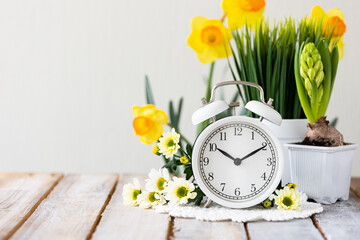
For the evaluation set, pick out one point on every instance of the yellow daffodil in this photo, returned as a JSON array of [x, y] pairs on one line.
[[241, 12], [332, 20], [210, 39], [148, 123]]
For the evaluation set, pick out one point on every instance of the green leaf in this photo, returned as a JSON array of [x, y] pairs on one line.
[[334, 122], [149, 95], [326, 59], [304, 99], [189, 149], [334, 65], [188, 172], [172, 115]]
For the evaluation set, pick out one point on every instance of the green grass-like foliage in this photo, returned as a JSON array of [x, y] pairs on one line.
[[266, 57]]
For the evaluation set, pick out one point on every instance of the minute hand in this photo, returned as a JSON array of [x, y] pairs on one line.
[[252, 153]]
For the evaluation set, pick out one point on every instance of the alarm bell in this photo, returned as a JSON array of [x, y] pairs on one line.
[[208, 111], [261, 108], [265, 111]]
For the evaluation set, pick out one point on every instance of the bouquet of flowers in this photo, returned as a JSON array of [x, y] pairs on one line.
[[260, 54]]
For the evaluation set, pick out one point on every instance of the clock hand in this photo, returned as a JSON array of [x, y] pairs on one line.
[[226, 154], [252, 153]]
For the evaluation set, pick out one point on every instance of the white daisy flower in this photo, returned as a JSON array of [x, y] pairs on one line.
[[179, 191], [150, 199], [158, 180], [130, 193], [168, 143], [288, 199]]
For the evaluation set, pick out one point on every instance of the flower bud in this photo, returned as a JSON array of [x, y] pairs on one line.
[[311, 67]]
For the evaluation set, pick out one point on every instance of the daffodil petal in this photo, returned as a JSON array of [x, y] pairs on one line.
[[335, 12]]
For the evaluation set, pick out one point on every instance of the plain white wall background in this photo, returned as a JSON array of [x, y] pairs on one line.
[[70, 72]]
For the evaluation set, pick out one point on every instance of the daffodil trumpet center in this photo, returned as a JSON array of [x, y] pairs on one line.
[[142, 125], [336, 25], [252, 5], [160, 183], [211, 36], [181, 192]]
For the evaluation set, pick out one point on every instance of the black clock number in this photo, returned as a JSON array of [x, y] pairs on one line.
[[264, 145], [252, 136], [223, 186], [222, 136], [253, 188], [263, 176], [269, 163], [211, 176], [237, 191], [213, 147], [206, 161], [238, 131]]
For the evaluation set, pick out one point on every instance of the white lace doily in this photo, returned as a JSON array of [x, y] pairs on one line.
[[218, 213]]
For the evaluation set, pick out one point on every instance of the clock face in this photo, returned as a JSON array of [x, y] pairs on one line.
[[237, 162]]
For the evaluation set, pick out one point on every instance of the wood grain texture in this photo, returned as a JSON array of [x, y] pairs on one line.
[[355, 186], [20, 195], [195, 229], [294, 229], [123, 222], [72, 209], [341, 220]]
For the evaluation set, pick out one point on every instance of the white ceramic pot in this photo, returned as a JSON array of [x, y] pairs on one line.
[[323, 173], [290, 130]]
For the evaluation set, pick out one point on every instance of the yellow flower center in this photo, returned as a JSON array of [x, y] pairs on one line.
[[160, 183], [142, 125], [335, 23], [252, 5], [136, 192], [184, 159], [181, 192], [287, 201], [211, 35], [152, 197], [170, 143]]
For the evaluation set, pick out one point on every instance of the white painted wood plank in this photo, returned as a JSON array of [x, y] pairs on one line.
[[202, 230], [123, 222], [341, 220], [20, 194], [72, 209], [295, 229]]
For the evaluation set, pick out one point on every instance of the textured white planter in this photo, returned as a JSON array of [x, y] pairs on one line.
[[290, 131], [323, 173]]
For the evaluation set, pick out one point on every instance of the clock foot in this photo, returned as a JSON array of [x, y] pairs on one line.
[[208, 203]]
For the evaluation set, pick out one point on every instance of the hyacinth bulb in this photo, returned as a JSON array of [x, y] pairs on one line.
[[312, 69]]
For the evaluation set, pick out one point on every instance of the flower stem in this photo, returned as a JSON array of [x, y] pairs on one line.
[[209, 82]]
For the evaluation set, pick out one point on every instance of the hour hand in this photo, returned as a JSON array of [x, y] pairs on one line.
[[226, 154]]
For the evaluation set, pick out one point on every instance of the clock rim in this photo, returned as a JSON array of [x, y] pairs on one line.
[[196, 168]]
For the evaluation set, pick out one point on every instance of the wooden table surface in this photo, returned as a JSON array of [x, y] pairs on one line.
[[89, 206]]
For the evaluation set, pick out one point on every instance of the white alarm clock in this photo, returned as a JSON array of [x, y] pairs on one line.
[[237, 161]]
